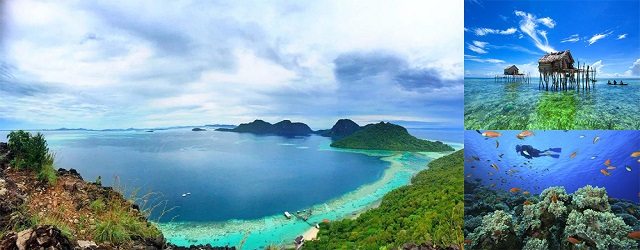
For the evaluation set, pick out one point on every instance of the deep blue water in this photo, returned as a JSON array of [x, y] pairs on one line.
[[229, 175], [557, 168]]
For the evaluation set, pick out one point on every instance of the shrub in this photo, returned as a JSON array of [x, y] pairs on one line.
[[28, 151]]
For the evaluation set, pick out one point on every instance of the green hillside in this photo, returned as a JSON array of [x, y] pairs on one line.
[[430, 209], [387, 136]]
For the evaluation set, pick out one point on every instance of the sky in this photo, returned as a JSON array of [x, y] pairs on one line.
[[604, 34], [144, 64]]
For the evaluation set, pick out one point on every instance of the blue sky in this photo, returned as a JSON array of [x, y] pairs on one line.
[[604, 34], [120, 64]]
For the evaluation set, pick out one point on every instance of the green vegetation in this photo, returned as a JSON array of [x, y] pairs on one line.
[[31, 153], [387, 136], [118, 222], [284, 127], [430, 209]]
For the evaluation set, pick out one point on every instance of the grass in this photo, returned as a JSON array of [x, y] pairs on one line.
[[54, 218]]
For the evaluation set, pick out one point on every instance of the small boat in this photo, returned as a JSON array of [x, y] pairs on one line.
[[286, 214], [188, 193], [184, 195]]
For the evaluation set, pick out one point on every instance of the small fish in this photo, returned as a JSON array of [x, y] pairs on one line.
[[638, 194], [469, 176], [547, 153], [638, 160], [631, 211], [491, 134], [554, 198], [605, 172], [635, 154], [525, 192], [478, 131], [574, 240], [467, 241], [530, 167], [628, 168], [500, 155], [511, 170], [611, 198], [497, 232], [468, 160], [490, 173], [494, 166], [498, 198], [473, 166], [607, 162], [526, 133], [492, 185], [574, 154], [475, 158], [497, 144], [611, 167], [593, 157], [634, 235], [582, 136], [527, 203], [515, 190], [596, 139], [520, 137]]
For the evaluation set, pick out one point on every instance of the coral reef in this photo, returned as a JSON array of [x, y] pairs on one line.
[[535, 244], [495, 232], [603, 230], [592, 198]]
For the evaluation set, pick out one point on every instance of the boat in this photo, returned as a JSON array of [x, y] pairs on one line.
[[184, 195], [287, 214]]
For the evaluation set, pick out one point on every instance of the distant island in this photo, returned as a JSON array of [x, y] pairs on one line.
[[198, 129], [342, 129], [387, 136], [285, 128]]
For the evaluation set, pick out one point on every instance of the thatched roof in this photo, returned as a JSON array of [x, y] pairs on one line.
[[556, 56], [512, 66]]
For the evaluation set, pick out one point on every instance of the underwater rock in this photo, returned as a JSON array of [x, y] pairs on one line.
[[592, 198], [630, 220], [536, 244], [602, 230]]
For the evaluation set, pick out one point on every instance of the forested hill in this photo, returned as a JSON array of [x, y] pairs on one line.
[[387, 136], [430, 209]]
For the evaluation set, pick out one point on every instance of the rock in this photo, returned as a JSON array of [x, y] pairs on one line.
[[84, 244], [71, 173], [8, 242], [39, 237]]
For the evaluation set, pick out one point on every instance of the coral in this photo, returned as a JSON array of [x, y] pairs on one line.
[[592, 198], [553, 201], [472, 222], [495, 232], [629, 220], [535, 244], [603, 230], [530, 219]]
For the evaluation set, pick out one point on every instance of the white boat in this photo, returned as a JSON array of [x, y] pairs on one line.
[[286, 214], [184, 195]]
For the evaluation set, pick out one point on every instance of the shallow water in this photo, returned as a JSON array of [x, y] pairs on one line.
[[557, 168], [499, 105]]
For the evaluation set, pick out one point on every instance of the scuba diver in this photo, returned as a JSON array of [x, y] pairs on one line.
[[529, 151]]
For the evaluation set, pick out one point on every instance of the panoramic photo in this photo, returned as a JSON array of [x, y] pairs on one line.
[[576, 189], [170, 125], [566, 65]]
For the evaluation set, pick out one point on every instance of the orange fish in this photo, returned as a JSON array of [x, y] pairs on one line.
[[467, 159], [492, 185], [511, 170], [497, 232], [490, 173], [494, 166], [497, 144], [520, 137], [554, 198], [491, 134], [635, 154], [574, 154], [607, 162], [638, 160], [605, 172], [525, 192], [467, 241], [469, 176], [527, 203], [574, 240], [611, 167], [638, 194], [515, 190], [610, 198], [634, 235], [631, 211], [498, 198], [526, 133], [596, 139]]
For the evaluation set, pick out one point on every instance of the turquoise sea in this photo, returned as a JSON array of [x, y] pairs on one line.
[[233, 182], [499, 105]]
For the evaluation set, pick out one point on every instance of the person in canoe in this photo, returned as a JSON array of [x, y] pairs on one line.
[[621, 83], [614, 82], [609, 82]]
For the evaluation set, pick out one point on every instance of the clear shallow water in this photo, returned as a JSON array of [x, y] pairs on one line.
[[558, 168], [240, 181], [498, 105]]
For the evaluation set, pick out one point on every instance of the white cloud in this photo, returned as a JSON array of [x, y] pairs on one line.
[[571, 39], [598, 66], [623, 36], [486, 31], [529, 26], [480, 44], [634, 70], [477, 49], [482, 60], [597, 37]]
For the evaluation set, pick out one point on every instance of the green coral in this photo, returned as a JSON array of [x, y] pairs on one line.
[[536, 244], [555, 207], [604, 230], [495, 232], [591, 198], [530, 219]]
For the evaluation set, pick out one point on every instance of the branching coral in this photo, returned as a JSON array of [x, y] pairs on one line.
[[592, 198], [536, 244], [495, 232], [603, 230], [553, 201]]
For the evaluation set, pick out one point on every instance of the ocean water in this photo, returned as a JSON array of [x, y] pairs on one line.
[[557, 168], [498, 105], [240, 182]]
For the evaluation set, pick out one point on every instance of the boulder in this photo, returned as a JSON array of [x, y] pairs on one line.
[[38, 237]]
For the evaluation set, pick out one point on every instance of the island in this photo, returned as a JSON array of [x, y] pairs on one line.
[[342, 129], [388, 136], [198, 129], [285, 128]]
